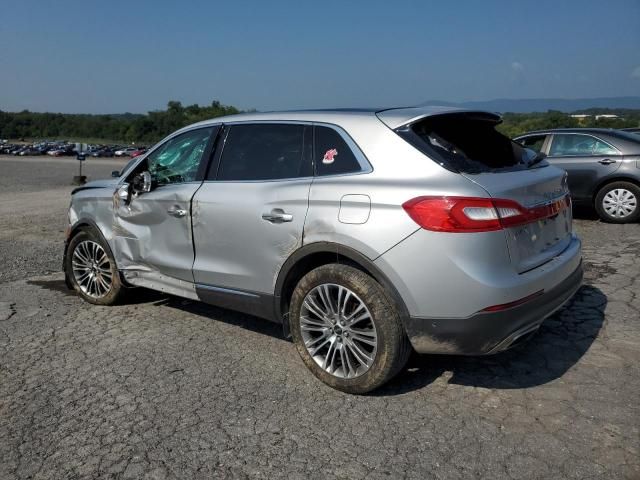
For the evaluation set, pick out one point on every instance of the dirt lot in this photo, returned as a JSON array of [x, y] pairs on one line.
[[166, 388]]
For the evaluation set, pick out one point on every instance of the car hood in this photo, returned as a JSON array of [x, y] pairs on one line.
[[107, 183]]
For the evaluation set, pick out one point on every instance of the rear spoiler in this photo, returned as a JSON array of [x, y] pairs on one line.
[[395, 118]]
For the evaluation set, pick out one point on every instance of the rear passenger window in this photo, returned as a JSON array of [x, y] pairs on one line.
[[264, 152], [332, 154], [534, 142]]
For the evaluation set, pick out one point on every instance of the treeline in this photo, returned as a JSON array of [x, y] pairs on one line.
[[517, 123], [126, 127], [155, 125]]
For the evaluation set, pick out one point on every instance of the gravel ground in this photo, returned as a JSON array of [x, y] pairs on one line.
[[166, 388]]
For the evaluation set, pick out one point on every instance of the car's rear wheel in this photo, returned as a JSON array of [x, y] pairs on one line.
[[346, 329], [92, 270], [618, 202]]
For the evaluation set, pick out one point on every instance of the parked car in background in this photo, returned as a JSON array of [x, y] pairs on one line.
[[125, 152], [603, 167], [30, 151], [138, 152], [62, 150], [635, 130], [365, 233], [103, 152]]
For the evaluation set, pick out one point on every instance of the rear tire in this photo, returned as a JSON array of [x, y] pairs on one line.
[[618, 202], [346, 329], [91, 269]]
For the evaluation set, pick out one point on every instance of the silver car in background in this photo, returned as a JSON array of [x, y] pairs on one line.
[[365, 233]]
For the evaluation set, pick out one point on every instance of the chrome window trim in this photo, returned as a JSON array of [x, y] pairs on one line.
[[363, 161]]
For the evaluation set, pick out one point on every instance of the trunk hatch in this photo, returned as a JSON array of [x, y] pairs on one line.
[[468, 143], [536, 243]]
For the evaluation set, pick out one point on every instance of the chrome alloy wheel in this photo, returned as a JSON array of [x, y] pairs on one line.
[[619, 203], [92, 269], [338, 331]]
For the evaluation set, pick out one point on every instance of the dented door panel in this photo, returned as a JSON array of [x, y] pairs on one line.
[[150, 236]]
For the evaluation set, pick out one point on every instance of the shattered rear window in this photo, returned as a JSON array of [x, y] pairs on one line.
[[466, 143]]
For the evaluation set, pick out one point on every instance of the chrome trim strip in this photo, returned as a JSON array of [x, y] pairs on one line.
[[226, 290]]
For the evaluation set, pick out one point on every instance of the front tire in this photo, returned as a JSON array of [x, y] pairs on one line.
[[92, 270], [346, 329], [618, 202]]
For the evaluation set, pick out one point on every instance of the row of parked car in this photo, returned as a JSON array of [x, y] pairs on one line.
[[64, 148]]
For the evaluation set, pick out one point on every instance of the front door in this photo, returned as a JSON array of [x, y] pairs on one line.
[[153, 231], [249, 215]]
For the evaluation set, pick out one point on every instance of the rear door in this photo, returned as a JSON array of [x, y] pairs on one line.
[[585, 158], [153, 231], [249, 215]]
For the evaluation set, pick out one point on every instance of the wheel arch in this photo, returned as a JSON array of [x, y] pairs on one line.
[[315, 255]]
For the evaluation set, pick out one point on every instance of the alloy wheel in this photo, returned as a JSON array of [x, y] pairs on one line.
[[92, 269], [338, 331]]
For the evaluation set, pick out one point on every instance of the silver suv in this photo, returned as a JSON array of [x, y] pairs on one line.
[[365, 233]]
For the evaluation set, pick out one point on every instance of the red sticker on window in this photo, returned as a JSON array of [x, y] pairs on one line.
[[329, 156]]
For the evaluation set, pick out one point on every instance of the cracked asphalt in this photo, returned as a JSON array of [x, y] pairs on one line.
[[167, 388]]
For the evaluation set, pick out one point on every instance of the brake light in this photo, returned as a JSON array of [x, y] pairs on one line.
[[470, 214]]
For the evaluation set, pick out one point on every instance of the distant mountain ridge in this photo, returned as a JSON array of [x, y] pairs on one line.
[[528, 105]]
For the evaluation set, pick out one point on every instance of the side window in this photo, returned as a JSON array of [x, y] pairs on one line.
[[264, 152], [602, 148], [567, 144], [534, 142], [332, 154], [177, 161]]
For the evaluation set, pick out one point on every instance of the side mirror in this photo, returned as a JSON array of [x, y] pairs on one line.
[[142, 183], [115, 174]]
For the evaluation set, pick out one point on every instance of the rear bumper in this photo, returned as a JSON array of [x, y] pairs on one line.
[[490, 332]]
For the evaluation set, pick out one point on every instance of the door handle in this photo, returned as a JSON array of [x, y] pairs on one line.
[[177, 212], [606, 161], [277, 215]]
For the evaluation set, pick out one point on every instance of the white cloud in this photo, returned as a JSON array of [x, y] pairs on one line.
[[518, 67], [636, 72]]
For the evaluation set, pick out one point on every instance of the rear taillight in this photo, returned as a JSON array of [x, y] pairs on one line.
[[470, 214]]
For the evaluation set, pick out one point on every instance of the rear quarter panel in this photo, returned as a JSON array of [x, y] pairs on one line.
[[400, 173]]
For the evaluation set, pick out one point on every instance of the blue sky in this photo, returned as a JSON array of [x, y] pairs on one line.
[[116, 56]]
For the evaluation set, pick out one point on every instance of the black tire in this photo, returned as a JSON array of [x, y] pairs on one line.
[[600, 199], [393, 347], [116, 291]]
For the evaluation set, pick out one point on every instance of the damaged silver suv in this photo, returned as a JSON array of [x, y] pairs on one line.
[[365, 233]]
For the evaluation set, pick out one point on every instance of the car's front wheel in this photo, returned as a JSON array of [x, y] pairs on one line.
[[346, 329], [92, 270], [618, 202]]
